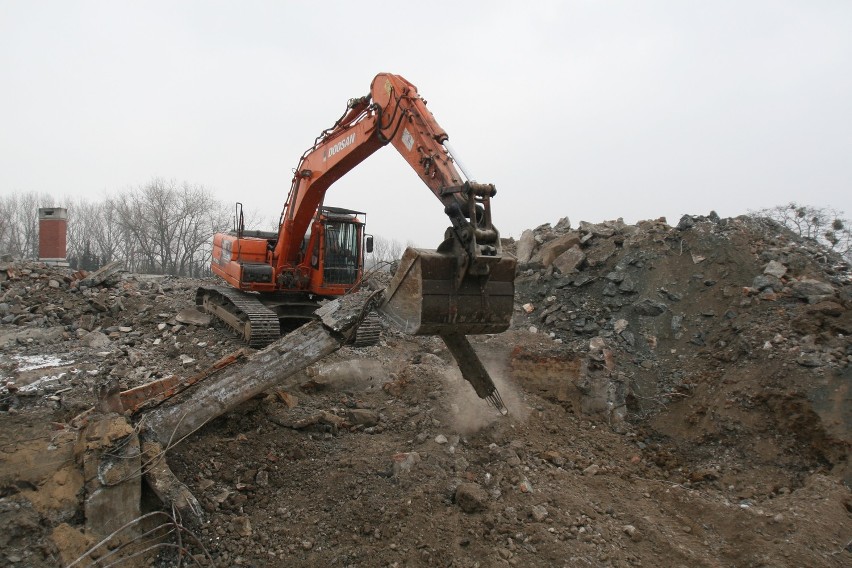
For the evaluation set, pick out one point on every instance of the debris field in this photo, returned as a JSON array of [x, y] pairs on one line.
[[678, 396]]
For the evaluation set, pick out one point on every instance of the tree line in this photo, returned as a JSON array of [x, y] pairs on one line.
[[823, 225], [161, 227]]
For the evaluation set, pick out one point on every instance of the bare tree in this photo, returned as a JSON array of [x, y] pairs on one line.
[[82, 220], [169, 225], [824, 225], [107, 232], [386, 251], [200, 217], [161, 226], [7, 206], [19, 227]]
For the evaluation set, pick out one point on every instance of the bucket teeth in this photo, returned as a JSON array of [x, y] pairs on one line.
[[473, 371]]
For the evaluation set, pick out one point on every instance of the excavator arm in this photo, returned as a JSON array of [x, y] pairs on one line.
[[393, 113]]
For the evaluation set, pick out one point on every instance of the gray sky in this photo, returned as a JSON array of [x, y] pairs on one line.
[[591, 110]]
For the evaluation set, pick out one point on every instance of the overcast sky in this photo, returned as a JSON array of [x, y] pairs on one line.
[[591, 110]]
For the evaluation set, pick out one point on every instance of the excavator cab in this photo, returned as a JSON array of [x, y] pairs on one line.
[[342, 249]]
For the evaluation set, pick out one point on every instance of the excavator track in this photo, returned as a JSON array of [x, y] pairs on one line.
[[369, 331], [242, 312]]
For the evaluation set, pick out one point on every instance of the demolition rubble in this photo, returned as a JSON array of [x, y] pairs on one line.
[[677, 396]]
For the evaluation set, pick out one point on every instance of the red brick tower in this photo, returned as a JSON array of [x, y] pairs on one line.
[[52, 235]]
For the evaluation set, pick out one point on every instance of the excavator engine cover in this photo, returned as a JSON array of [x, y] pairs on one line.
[[423, 298]]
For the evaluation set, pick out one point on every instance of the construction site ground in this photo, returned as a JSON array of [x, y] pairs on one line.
[[678, 396]]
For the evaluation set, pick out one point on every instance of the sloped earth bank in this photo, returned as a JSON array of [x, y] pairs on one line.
[[678, 397]]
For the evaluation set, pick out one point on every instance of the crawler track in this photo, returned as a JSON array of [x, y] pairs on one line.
[[244, 313], [369, 331]]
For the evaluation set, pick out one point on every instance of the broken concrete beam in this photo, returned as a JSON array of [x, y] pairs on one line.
[[108, 449], [102, 274], [165, 484], [265, 369]]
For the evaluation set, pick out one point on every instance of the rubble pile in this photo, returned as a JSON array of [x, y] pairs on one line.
[[128, 328], [731, 312], [678, 396]]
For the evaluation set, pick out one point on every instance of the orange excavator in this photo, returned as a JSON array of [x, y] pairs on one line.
[[466, 286]]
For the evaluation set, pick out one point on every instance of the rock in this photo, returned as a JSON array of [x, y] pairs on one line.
[[632, 532], [242, 526], [538, 513], [404, 462], [553, 457], [111, 459], [570, 260], [600, 253], [775, 268], [627, 286], [592, 470], [763, 281], [810, 360], [96, 339], [102, 274], [686, 222], [649, 307], [511, 457], [361, 416], [549, 251], [673, 296], [191, 316], [87, 322], [812, 290], [471, 498], [525, 247], [440, 439], [564, 224], [827, 308], [604, 229]]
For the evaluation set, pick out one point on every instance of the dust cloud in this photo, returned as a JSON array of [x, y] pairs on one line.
[[469, 413]]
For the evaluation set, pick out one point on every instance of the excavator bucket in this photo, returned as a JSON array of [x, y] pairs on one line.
[[425, 297]]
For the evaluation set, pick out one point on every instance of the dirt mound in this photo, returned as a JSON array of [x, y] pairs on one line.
[[678, 396]]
